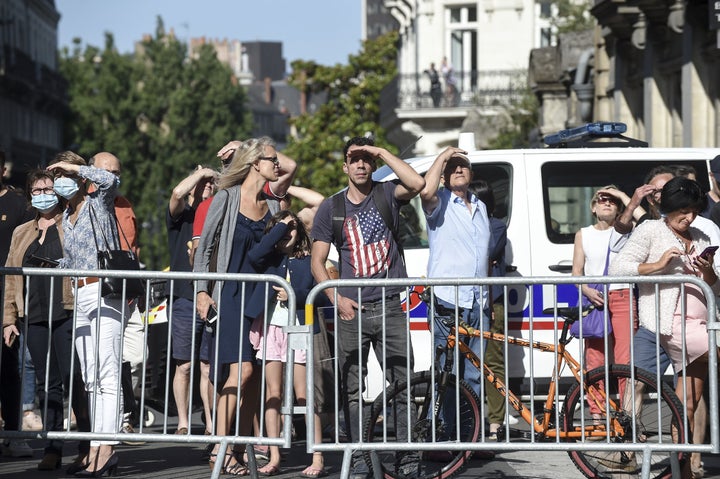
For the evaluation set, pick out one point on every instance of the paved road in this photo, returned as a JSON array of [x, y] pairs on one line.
[[166, 461], [169, 461]]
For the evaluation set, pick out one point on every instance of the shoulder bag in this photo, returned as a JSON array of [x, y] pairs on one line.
[[116, 259], [594, 324]]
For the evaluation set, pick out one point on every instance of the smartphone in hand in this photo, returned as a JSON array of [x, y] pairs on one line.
[[708, 251], [212, 314]]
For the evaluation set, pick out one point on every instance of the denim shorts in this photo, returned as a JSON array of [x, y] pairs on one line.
[[183, 314]]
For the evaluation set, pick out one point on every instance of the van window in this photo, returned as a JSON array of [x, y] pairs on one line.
[[413, 227], [568, 188]]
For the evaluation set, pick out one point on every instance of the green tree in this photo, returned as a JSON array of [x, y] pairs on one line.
[[352, 109], [573, 16], [160, 112], [523, 113]]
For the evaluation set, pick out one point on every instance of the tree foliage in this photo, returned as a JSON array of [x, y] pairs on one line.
[[352, 109], [159, 111], [573, 16], [523, 113]]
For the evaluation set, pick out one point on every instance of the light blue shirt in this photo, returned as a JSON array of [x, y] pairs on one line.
[[459, 242], [81, 243]]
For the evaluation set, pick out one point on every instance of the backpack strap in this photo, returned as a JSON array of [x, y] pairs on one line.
[[338, 217]]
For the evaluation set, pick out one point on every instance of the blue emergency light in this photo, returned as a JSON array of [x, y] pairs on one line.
[[597, 129]]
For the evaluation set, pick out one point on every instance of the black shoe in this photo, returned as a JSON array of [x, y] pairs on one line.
[[77, 465], [110, 467]]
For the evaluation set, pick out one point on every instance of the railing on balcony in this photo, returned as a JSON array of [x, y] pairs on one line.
[[469, 89]]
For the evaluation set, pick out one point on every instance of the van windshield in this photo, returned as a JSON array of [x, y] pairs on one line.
[[568, 188], [413, 227]]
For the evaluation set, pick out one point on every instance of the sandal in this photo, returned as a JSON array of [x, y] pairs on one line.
[[268, 470], [313, 472], [235, 469]]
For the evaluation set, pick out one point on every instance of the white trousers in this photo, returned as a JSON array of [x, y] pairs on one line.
[[134, 345], [98, 334]]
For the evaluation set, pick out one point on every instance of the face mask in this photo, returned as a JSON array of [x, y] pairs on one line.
[[44, 203], [66, 187]]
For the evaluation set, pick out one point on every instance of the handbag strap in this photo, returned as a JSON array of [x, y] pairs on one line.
[[116, 237], [93, 220]]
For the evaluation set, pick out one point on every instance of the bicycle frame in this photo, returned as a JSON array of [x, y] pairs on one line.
[[542, 428]]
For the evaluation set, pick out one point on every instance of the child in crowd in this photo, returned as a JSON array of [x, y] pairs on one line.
[[284, 251]]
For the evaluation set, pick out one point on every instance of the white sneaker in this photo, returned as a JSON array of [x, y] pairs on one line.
[[512, 420], [31, 422], [16, 448]]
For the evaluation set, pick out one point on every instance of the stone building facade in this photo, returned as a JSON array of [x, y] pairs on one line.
[[652, 64], [32, 92]]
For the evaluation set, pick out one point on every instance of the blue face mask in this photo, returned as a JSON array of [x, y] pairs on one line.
[[65, 187], [44, 203]]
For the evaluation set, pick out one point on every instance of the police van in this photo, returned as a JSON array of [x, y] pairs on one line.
[[543, 195]]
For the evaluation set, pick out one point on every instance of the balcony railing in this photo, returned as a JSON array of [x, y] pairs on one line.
[[469, 89]]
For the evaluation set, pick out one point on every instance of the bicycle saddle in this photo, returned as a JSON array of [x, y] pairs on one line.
[[569, 314]]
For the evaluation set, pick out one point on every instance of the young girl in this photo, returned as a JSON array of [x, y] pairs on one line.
[[284, 251]]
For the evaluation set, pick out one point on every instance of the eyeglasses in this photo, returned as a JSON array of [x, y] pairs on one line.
[[42, 191], [274, 159]]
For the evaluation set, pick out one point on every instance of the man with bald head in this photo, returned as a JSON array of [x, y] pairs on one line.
[[123, 208], [134, 333]]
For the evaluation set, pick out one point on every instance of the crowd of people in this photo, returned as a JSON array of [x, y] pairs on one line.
[[237, 219], [669, 238]]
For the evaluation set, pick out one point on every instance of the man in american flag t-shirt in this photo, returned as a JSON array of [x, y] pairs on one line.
[[367, 249], [368, 246]]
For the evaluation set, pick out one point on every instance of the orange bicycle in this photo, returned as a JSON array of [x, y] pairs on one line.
[[445, 411]]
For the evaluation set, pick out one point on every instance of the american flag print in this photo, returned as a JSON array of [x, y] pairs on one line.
[[368, 244]]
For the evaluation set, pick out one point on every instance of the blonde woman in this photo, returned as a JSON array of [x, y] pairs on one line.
[[239, 213]]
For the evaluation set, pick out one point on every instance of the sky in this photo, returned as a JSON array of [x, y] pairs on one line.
[[326, 31]]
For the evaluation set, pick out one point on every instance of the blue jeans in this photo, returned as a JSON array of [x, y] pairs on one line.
[[646, 355], [389, 339], [473, 316], [467, 371], [29, 386]]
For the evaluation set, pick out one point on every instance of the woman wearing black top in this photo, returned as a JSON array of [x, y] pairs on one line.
[[38, 243]]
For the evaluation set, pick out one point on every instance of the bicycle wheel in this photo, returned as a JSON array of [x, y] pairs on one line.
[[659, 419], [382, 426]]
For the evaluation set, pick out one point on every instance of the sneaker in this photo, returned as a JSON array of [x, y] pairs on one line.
[[128, 429], [31, 422], [16, 448]]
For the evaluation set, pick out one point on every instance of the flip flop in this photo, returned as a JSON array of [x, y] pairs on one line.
[[312, 472], [269, 470]]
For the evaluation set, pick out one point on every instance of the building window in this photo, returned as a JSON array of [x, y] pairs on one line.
[[461, 45], [466, 14], [545, 10], [545, 37]]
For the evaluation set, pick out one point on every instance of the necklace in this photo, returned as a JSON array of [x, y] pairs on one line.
[[686, 244], [686, 249]]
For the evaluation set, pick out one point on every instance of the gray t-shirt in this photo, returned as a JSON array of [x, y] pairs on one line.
[[368, 248]]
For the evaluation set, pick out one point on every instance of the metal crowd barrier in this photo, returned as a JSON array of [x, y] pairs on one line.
[[297, 338], [537, 327]]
